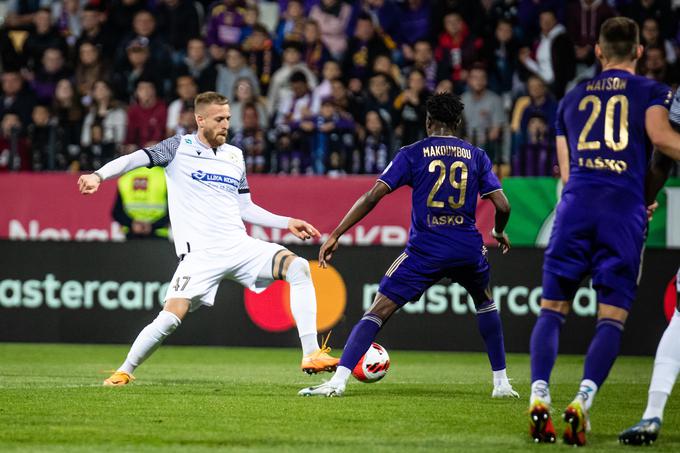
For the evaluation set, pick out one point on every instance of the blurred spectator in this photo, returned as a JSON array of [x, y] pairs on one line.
[[536, 156], [584, 18], [362, 49], [501, 55], [528, 12], [177, 22], [21, 14], [9, 57], [144, 30], [234, 69], [137, 66], [122, 13], [251, 138], [89, 67], [424, 61], [315, 52], [641, 10], [374, 150], [224, 27], [146, 118], [68, 118], [251, 18], [385, 17], [538, 101], [186, 92], [651, 36], [42, 36], [103, 129], [279, 88], [411, 106], [262, 57], [295, 105], [94, 30], [329, 136], [51, 70], [414, 22], [333, 17], [67, 14], [41, 139], [345, 101], [14, 149], [383, 63], [457, 48], [245, 94], [187, 121], [484, 115], [291, 25], [198, 65], [655, 66], [15, 98], [380, 100], [331, 71], [553, 58]]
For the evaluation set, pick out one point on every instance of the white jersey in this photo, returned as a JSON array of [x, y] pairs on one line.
[[203, 188]]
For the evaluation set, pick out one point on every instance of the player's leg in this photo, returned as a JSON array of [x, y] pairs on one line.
[[404, 281], [475, 280], [666, 369], [196, 280], [544, 343]]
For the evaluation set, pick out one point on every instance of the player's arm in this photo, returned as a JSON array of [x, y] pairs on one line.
[[88, 184], [661, 133], [659, 169], [361, 208], [502, 205], [563, 157], [252, 213]]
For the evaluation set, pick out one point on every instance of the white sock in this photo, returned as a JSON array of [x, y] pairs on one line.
[[303, 302], [500, 378], [586, 393], [666, 368], [341, 375], [540, 391], [149, 339]]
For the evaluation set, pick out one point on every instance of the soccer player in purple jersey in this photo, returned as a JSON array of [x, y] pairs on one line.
[[606, 128], [446, 174]]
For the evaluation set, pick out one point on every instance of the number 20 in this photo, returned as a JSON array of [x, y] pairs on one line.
[[583, 144], [462, 184]]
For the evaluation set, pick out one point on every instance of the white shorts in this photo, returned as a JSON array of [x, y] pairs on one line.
[[199, 273]]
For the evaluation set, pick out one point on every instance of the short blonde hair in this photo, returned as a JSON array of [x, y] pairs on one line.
[[209, 98]]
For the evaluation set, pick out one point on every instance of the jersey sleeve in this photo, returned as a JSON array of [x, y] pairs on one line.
[[559, 120], [674, 114], [162, 153], [397, 173], [243, 184], [488, 181], [660, 94]]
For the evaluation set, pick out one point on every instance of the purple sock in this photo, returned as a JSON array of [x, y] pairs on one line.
[[360, 340], [491, 329], [604, 347], [545, 340]]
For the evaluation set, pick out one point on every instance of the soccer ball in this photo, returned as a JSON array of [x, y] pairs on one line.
[[373, 365]]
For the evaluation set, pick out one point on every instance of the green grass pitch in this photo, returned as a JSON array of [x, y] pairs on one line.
[[206, 399]]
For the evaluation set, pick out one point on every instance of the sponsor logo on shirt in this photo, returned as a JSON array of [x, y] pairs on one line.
[[214, 178]]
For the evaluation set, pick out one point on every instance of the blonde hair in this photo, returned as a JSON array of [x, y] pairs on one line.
[[209, 98]]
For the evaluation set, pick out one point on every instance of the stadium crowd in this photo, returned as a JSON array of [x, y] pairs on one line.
[[315, 86]]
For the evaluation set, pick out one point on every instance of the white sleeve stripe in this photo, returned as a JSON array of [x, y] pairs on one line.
[[489, 193], [388, 186]]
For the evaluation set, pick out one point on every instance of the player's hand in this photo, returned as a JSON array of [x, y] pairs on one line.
[[650, 210], [326, 252], [503, 241], [88, 184], [302, 229]]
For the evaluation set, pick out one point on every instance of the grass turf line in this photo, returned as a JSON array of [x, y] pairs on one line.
[[209, 399]]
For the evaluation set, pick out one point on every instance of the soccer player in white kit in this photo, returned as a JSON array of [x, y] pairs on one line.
[[208, 199]]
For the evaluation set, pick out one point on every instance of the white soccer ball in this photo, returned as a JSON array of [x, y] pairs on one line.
[[373, 365]]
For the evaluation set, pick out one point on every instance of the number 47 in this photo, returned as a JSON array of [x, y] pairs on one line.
[[184, 285]]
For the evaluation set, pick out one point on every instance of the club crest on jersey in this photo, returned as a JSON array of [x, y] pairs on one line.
[[216, 179]]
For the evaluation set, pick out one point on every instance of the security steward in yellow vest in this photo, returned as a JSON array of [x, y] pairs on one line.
[[142, 204]]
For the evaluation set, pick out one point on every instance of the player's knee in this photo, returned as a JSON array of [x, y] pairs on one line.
[[560, 306], [298, 271], [606, 311], [167, 322]]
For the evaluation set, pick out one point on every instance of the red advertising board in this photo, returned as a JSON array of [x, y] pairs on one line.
[[47, 206]]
